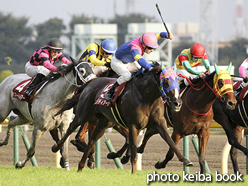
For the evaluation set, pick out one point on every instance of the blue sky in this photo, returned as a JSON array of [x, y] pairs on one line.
[[173, 11]]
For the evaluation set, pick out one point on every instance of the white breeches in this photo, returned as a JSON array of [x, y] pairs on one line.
[[185, 73], [124, 70], [32, 70]]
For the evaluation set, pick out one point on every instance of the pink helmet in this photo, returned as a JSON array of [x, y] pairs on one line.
[[150, 39]]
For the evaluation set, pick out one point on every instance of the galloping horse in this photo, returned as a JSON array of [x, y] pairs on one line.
[[139, 105], [196, 114], [233, 122], [41, 112]]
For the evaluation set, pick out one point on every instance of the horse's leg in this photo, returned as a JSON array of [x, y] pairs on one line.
[[203, 140], [162, 129], [79, 140], [35, 138], [133, 146], [119, 153], [73, 125], [101, 126], [170, 154], [91, 128], [234, 151], [149, 133], [14, 121]]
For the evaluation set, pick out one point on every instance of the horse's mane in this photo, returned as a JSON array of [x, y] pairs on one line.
[[66, 69], [200, 81]]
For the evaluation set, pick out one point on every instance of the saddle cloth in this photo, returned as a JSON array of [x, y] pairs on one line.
[[103, 102], [19, 89], [243, 92]]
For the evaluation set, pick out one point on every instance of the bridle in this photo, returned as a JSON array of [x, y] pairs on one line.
[[79, 75]]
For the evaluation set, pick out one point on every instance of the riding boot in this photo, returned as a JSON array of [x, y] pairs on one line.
[[238, 90], [109, 95], [36, 80]]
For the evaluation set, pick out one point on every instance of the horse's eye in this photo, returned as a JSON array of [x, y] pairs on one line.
[[221, 83], [167, 83], [82, 70]]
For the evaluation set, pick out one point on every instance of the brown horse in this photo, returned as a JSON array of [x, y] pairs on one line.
[[196, 114], [233, 122], [140, 105]]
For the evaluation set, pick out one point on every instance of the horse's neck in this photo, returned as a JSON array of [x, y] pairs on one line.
[[61, 88], [147, 87], [202, 99]]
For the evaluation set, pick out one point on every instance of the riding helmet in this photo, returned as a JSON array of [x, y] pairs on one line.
[[150, 39], [109, 46], [55, 43], [197, 50]]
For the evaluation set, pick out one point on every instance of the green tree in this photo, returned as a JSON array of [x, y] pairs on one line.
[[4, 74], [13, 35], [235, 52]]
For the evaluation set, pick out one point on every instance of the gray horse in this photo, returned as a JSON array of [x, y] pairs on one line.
[[41, 112]]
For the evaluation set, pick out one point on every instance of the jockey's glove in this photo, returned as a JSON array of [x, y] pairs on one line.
[[107, 64], [245, 79]]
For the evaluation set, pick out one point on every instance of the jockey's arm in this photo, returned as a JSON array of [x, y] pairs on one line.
[[243, 68], [49, 66], [64, 59], [142, 61], [164, 35], [94, 60], [188, 68], [207, 65]]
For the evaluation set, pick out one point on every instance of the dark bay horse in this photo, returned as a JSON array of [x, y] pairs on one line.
[[42, 110], [233, 122], [196, 114], [140, 105]]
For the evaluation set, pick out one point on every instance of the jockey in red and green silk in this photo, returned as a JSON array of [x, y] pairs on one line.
[[188, 59], [128, 58], [99, 55], [41, 63]]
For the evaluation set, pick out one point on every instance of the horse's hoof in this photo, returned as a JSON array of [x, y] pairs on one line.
[[159, 165], [91, 165], [67, 168], [124, 160], [18, 165], [111, 155], [140, 150], [55, 148], [187, 163]]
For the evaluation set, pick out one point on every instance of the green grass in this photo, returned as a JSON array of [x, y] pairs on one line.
[[51, 176]]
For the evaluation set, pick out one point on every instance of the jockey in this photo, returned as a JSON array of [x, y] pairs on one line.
[[41, 63], [242, 71], [128, 58], [188, 59], [99, 56]]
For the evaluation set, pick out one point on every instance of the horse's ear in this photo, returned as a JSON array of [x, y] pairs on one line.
[[73, 60], [229, 68], [174, 67], [163, 68], [217, 70]]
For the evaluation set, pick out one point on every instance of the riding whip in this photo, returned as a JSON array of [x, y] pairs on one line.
[[162, 19]]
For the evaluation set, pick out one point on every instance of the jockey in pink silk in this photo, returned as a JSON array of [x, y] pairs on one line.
[[242, 71], [128, 58], [41, 63]]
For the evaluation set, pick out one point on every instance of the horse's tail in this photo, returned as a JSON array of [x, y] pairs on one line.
[[70, 103], [67, 104]]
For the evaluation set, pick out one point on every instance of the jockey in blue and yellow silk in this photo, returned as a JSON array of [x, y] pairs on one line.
[[188, 59], [128, 58], [99, 55]]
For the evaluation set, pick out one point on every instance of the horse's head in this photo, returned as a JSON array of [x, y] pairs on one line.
[[82, 71], [223, 86], [170, 88]]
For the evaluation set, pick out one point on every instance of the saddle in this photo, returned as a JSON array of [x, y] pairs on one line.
[[20, 88]]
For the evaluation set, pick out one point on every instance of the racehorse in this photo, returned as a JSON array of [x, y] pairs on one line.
[[233, 122], [41, 111], [139, 105], [196, 114]]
